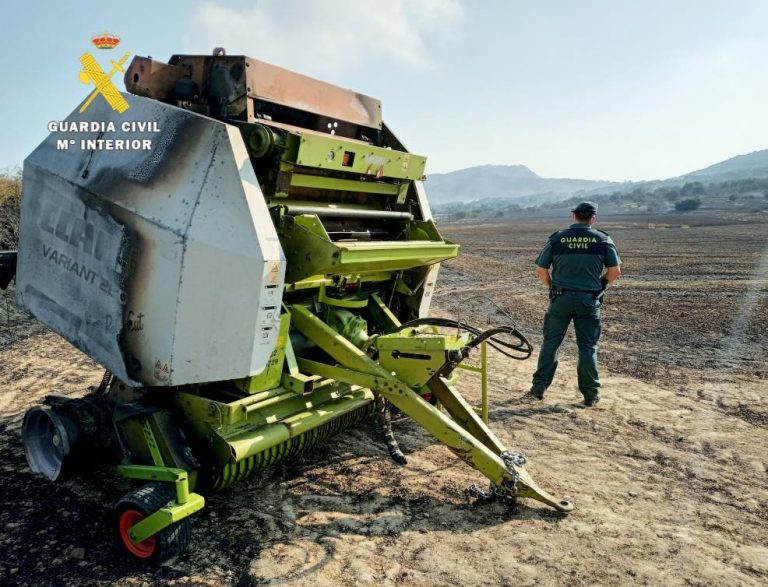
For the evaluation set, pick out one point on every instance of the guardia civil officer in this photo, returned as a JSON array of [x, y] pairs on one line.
[[583, 261]]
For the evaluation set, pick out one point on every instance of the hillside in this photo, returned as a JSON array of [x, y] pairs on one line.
[[753, 164], [502, 181]]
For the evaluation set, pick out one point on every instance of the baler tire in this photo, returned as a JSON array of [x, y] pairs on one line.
[[137, 505]]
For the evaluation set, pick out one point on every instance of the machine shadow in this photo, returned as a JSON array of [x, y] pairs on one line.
[[62, 532], [524, 407]]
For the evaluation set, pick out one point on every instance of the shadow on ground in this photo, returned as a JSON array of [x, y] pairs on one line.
[[59, 533]]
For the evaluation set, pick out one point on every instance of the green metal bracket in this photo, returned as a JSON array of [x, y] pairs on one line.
[[403, 192], [383, 316], [415, 355], [164, 517], [186, 504], [311, 253], [294, 379], [149, 436], [316, 281], [402, 287], [423, 230], [483, 370], [166, 474], [339, 154], [350, 185]]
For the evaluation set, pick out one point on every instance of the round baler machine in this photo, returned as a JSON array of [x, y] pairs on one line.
[[257, 281]]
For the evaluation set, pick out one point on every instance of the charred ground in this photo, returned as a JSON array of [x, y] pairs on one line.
[[667, 475]]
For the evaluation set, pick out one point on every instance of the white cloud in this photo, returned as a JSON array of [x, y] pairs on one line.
[[326, 37]]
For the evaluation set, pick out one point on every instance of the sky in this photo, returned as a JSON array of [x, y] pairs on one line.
[[611, 89]]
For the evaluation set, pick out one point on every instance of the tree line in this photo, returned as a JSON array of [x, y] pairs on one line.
[[747, 193]]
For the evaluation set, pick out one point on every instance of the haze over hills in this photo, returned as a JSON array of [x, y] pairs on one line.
[[503, 181], [519, 183]]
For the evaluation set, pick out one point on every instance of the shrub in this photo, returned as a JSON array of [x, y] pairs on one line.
[[10, 201], [687, 205]]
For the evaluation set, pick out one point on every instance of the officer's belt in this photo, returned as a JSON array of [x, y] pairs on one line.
[[561, 290]]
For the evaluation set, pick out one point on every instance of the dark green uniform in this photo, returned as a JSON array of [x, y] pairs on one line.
[[578, 256]]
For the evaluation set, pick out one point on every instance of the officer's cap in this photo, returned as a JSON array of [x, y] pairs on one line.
[[586, 208]]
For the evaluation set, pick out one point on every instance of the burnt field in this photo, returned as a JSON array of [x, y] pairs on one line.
[[667, 474], [691, 303]]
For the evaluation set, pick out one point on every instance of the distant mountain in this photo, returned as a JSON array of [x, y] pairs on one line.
[[502, 181], [753, 164], [518, 182]]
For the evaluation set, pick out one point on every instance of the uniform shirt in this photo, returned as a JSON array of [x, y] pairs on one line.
[[577, 256]]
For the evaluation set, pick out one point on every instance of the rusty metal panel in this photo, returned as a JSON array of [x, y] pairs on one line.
[[275, 84], [299, 130], [265, 82], [152, 79]]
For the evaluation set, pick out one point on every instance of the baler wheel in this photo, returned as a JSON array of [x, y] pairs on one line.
[[137, 505]]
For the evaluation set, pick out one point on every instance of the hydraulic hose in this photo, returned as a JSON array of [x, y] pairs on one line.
[[522, 348]]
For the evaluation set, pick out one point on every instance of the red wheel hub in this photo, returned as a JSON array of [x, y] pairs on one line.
[[144, 549]]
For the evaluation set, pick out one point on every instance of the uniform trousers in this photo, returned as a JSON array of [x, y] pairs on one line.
[[584, 310]]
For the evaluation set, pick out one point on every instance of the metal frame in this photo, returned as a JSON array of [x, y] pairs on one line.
[[328, 152], [463, 432], [186, 503], [483, 370]]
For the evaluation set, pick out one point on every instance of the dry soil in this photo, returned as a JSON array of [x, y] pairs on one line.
[[668, 473]]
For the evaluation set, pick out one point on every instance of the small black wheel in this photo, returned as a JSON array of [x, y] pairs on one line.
[[137, 505]]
